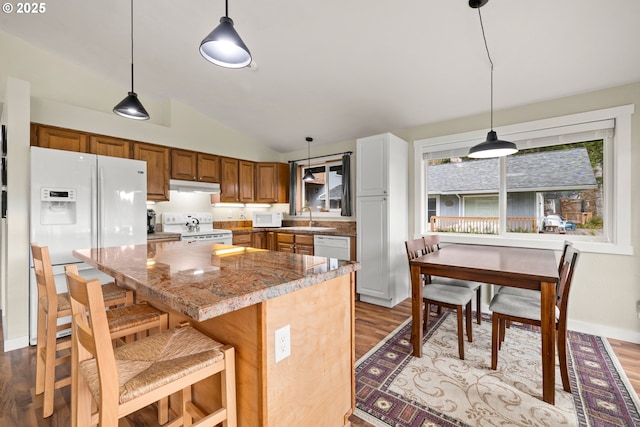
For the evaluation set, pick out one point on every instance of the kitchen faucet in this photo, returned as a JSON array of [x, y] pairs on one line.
[[308, 208]]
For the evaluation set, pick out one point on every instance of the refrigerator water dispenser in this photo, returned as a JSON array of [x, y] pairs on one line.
[[57, 206]]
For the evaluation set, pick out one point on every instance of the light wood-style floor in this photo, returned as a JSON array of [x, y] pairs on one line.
[[19, 407]]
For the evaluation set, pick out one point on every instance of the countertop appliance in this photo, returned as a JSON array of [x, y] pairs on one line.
[[79, 201], [195, 226], [151, 221], [332, 246], [267, 219]]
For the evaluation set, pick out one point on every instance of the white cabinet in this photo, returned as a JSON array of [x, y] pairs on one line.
[[382, 227]]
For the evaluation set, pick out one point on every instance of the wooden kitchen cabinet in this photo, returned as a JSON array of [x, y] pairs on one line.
[[272, 182], [236, 180], [193, 166], [59, 138], [259, 240], [157, 158], [295, 243], [242, 239], [110, 146]]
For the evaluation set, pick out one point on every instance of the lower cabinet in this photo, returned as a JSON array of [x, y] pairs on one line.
[[243, 239], [295, 243], [259, 240]]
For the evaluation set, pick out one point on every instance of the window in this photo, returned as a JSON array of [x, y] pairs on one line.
[[567, 181], [324, 193]]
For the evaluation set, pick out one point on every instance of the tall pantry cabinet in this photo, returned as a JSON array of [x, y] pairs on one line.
[[382, 228]]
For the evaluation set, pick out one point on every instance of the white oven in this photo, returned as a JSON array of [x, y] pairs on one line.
[[195, 226], [267, 219]]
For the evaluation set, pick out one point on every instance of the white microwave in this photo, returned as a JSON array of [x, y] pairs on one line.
[[267, 219]]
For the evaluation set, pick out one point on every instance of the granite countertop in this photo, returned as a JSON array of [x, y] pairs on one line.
[[204, 280], [333, 232]]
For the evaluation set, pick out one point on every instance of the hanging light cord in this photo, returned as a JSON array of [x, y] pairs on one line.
[[226, 8], [309, 155], [490, 62], [132, 46]]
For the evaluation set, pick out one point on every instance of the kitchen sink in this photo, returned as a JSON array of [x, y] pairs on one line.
[[302, 228]]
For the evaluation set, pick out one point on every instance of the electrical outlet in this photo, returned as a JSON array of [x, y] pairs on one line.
[[283, 343], [229, 213]]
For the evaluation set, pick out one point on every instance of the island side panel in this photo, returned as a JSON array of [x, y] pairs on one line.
[[314, 385]]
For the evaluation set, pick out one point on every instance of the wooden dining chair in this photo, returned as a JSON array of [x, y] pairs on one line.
[[432, 243], [452, 297], [532, 293], [51, 307], [125, 379], [506, 307]]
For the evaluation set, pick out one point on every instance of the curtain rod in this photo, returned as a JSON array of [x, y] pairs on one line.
[[317, 157]]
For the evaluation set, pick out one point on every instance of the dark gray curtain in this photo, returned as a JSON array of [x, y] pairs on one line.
[[346, 185], [293, 187]]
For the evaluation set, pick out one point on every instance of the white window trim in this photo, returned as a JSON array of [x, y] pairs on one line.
[[618, 168]]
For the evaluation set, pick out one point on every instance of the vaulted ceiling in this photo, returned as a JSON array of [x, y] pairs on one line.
[[339, 70]]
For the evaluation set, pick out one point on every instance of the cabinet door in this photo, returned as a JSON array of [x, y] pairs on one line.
[[246, 181], [285, 242], [59, 139], [259, 239], [372, 166], [304, 244], [183, 165], [243, 239], [272, 182], [208, 168], [157, 158], [373, 253], [228, 179], [109, 146]]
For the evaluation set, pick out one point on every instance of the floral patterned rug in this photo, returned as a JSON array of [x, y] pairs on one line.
[[394, 388]]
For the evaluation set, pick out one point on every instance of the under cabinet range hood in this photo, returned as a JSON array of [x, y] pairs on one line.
[[194, 186]]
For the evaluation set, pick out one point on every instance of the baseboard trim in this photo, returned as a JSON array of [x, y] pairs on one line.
[[16, 343]]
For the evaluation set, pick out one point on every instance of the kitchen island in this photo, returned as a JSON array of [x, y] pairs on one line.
[[242, 296]]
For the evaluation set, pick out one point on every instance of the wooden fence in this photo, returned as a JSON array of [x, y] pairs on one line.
[[481, 225]]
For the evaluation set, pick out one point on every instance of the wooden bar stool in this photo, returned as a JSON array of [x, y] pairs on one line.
[[126, 320], [125, 379]]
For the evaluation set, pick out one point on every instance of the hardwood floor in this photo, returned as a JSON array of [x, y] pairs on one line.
[[19, 407]]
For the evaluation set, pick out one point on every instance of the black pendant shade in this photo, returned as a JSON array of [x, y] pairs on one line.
[[492, 147], [224, 47], [308, 176], [131, 107]]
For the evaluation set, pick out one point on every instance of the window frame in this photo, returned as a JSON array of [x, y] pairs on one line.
[[326, 163], [617, 167]]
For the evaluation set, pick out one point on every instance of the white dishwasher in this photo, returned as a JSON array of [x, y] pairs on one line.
[[332, 246]]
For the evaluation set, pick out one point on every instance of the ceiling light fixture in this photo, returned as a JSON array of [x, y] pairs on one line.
[[492, 147], [308, 176], [223, 46], [131, 107]]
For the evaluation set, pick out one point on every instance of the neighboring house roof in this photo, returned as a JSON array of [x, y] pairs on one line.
[[525, 172], [334, 193]]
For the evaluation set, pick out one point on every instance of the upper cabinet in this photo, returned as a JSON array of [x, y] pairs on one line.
[[58, 138], [373, 166], [193, 166], [237, 179], [109, 146], [157, 158], [272, 183]]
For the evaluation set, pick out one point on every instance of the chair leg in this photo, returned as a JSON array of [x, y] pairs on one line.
[[49, 366], [427, 309], [494, 340], [478, 307], [228, 384], [40, 345], [460, 332], [561, 338], [503, 331], [469, 315]]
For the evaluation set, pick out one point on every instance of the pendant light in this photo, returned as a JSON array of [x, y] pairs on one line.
[[223, 46], [308, 176], [492, 147], [131, 107]]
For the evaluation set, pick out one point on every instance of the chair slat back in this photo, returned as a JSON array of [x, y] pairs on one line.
[[415, 248], [432, 242], [565, 247], [44, 278], [92, 338], [567, 270]]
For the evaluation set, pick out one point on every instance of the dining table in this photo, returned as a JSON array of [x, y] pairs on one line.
[[526, 268]]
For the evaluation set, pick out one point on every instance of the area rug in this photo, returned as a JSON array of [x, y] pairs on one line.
[[393, 388]]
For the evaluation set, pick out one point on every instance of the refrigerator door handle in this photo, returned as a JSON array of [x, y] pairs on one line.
[[95, 205]]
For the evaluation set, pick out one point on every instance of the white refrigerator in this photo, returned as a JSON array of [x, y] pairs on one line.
[[79, 201]]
